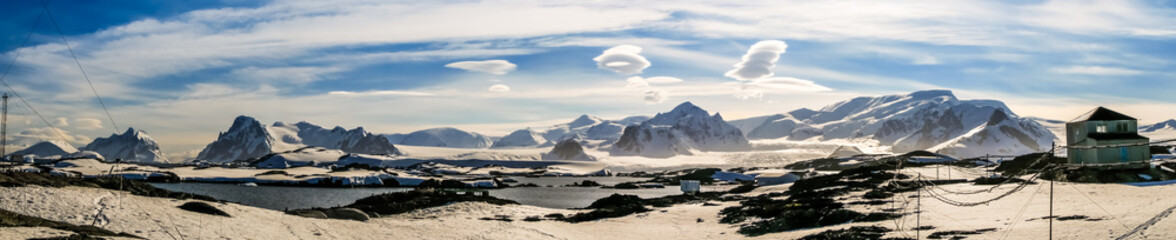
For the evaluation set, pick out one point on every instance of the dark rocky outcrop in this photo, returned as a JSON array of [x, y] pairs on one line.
[[346, 213], [203, 207], [395, 203]]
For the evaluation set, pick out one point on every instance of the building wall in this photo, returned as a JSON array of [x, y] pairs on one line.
[[1076, 133], [1110, 155]]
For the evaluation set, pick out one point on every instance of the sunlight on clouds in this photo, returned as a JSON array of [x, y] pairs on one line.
[[285, 75], [623, 59], [87, 123], [636, 82], [743, 92], [639, 82], [663, 80], [496, 67], [380, 93], [789, 83], [499, 88], [61, 122]]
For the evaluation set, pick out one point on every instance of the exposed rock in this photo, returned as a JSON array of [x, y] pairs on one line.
[[568, 149], [346, 213], [308, 213], [202, 207]]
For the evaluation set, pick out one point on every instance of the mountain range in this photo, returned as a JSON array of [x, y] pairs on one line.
[[925, 120], [247, 138], [933, 120]]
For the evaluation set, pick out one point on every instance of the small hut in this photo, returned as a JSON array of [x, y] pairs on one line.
[[1091, 136]]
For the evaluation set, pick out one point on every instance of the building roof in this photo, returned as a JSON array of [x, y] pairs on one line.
[[1115, 136], [1102, 114]]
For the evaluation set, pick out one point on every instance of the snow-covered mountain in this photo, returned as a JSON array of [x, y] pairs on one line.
[[132, 145], [441, 137], [916, 121], [247, 138], [47, 149], [520, 138], [591, 127], [1165, 125], [681, 131], [1001, 135], [1160, 131]]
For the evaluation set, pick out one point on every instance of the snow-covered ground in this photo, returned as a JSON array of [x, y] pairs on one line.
[[1119, 208]]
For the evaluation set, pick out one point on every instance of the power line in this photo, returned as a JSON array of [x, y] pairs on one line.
[[12, 90], [1019, 213], [45, 5]]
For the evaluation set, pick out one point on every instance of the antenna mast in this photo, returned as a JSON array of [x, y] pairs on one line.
[[4, 127]]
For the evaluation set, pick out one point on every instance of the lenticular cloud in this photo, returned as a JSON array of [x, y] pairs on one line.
[[496, 67], [623, 59], [499, 88], [759, 60]]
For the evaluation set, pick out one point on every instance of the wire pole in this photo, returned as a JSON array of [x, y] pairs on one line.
[[918, 209], [4, 128], [1051, 215]]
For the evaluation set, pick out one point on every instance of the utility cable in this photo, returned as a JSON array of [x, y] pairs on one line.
[[45, 5]]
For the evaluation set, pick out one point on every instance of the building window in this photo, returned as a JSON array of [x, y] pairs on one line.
[[1101, 128], [1122, 127]]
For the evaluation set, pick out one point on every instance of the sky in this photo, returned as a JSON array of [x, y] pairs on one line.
[[182, 71]]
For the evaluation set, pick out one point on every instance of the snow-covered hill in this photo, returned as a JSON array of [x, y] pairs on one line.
[[132, 145], [46, 149], [916, 121], [247, 139], [681, 131], [1001, 135], [520, 138], [441, 137], [568, 149]]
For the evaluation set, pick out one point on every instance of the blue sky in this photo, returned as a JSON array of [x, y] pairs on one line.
[[182, 70]]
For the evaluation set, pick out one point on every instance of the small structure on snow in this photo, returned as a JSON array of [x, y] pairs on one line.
[[691, 186], [1104, 136]]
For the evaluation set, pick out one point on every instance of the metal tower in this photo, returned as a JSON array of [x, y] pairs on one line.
[[4, 126]]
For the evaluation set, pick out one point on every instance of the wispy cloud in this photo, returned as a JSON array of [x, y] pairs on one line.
[[1097, 70], [380, 93], [185, 76]]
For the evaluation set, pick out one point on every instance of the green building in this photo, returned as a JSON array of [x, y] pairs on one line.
[[1090, 135]]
